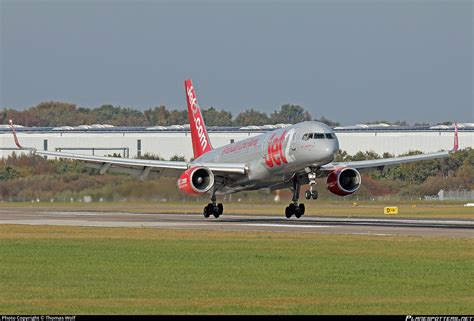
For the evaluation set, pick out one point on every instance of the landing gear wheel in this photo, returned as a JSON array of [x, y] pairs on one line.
[[301, 209], [207, 210], [311, 195], [290, 210], [296, 210], [212, 209], [217, 209]]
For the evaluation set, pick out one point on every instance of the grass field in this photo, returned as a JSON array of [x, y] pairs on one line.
[[419, 209], [68, 270]]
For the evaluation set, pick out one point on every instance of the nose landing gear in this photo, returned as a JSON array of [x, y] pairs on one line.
[[312, 182]]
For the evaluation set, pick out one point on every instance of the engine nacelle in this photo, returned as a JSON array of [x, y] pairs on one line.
[[196, 181], [344, 181]]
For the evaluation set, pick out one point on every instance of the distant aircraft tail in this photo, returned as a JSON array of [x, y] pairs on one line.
[[15, 137], [199, 137], [456, 144]]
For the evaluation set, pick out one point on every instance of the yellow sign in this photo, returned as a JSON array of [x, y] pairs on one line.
[[390, 210]]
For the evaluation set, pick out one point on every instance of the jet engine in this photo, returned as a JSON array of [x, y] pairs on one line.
[[343, 181], [196, 181]]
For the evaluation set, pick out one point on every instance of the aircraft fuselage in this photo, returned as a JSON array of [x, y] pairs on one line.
[[275, 156]]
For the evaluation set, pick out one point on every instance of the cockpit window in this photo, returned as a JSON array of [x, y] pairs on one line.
[[318, 136]]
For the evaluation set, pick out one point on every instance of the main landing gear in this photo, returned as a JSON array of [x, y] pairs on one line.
[[213, 209], [294, 208], [298, 209]]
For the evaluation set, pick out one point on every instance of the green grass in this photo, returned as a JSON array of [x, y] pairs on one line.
[[68, 270]]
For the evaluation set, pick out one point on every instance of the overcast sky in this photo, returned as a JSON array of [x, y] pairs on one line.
[[350, 61]]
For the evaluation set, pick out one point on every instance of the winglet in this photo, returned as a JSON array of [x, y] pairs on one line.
[[17, 143], [456, 144]]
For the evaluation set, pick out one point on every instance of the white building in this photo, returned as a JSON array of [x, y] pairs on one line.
[[130, 142]]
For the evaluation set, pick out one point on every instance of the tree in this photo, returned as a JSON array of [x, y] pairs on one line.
[[8, 173], [214, 117], [151, 156], [157, 116], [251, 117], [329, 122], [118, 116], [54, 113], [178, 158], [341, 156], [178, 117], [289, 114], [25, 118]]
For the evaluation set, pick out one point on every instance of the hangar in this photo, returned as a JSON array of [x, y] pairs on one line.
[[167, 142]]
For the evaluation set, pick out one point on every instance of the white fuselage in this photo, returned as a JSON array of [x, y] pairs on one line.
[[274, 157]]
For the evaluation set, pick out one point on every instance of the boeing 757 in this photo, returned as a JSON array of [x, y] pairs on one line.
[[284, 158]]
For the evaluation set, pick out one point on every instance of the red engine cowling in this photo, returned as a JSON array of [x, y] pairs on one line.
[[196, 181], [344, 181]]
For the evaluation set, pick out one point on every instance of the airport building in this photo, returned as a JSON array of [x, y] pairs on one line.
[[167, 142]]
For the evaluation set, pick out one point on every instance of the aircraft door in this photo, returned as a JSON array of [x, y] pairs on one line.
[[266, 141], [293, 140]]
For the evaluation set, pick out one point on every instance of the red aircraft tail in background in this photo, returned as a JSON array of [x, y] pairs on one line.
[[456, 145], [200, 139], [15, 138]]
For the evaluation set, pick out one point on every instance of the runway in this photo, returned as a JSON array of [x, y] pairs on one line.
[[236, 222]]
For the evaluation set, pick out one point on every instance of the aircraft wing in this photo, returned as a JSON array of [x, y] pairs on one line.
[[383, 163], [140, 167], [144, 168]]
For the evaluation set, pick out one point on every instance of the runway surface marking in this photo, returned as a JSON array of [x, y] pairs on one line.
[[240, 222]]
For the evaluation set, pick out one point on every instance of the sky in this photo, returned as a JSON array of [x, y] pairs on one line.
[[348, 60]]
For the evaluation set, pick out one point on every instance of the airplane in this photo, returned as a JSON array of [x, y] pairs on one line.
[[283, 158]]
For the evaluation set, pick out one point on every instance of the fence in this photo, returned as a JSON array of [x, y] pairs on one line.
[[464, 195]]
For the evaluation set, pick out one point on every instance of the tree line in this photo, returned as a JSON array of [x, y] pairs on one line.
[[27, 177], [53, 114]]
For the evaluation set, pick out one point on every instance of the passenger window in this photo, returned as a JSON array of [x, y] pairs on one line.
[[305, 136], [319, 136], [310, 135], [329, 136]]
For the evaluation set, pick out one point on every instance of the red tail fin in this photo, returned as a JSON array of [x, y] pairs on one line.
[[200, 139], [15, 138], [456, 145]]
